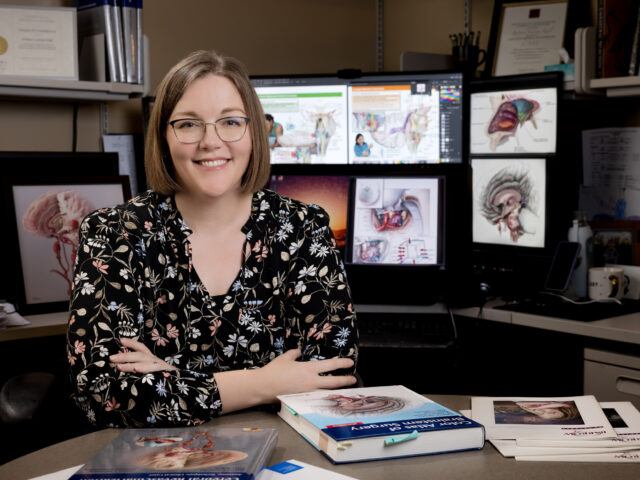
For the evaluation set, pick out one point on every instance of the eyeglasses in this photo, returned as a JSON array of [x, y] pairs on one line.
[[191, 130]]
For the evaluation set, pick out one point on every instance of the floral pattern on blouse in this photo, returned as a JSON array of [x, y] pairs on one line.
[[134, 278]]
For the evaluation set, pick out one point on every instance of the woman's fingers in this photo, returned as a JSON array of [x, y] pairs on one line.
[[331, 364], [131, 357], [141, 367], [134, 345], [337, 381]]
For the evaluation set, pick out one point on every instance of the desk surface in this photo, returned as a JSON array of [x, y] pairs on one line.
[[41, 326], [480, 464]]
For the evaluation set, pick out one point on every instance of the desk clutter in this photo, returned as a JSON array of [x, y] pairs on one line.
[[560, 429]]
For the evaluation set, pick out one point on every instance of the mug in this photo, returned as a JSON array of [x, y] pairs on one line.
[[468, 58], [606, 282]]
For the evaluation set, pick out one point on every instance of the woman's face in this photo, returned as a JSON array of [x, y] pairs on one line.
[[360, 140], [211, 167]]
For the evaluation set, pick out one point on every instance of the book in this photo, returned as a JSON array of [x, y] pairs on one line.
[[372, 423], [297, 470], [130, 38], [95, 18], [615, 30], [509, 418], [203, 453]]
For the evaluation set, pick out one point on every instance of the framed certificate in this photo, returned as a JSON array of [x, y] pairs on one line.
[[527, 35], [38, 42]]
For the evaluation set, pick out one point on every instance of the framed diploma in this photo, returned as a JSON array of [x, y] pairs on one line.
[[38, 42], [527, 35]]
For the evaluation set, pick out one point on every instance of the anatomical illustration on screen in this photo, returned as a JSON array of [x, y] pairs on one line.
[[394, 124], [307, 124], [514, 121], [395, 221], [509, 201]]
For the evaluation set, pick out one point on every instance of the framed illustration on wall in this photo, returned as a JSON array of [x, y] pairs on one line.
[[526, 35], [47, 214]]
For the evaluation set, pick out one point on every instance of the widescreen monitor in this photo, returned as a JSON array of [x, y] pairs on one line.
[[393, 118], [515, 115]]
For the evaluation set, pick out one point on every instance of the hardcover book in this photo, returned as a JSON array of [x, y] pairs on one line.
[[194, 453], [372, 423]]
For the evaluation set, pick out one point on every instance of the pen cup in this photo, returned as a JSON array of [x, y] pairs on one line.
[[468, 58]]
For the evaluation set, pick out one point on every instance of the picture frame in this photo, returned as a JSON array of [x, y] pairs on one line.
[[615, 242], [46, 214], [526, 35]]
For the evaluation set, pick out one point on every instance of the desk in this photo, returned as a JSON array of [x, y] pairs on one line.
[[480, 464], [43, 325]]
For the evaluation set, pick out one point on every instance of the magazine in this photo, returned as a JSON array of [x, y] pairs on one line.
[[195, 453], [568, 418], [356, 424]]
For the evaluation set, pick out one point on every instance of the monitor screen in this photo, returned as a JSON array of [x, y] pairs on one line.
[[331, 192], [396, 221], [393, 118], [514, 115], [509, 201]]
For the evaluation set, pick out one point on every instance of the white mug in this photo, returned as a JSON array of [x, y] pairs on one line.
[[606, 282]]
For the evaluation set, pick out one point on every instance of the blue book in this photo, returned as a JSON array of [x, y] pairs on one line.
[[374, 423], [194, 453]]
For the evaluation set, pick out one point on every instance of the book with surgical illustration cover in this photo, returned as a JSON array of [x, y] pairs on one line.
[[567, 418], [194, 453], [372, 423]]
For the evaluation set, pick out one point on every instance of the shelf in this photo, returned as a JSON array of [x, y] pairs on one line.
[[618, 86], [21, 87]]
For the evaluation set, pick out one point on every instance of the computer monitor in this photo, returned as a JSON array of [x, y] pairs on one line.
[[309, 118], [515, 115], [331, 192], [391, 118], [408, 236]]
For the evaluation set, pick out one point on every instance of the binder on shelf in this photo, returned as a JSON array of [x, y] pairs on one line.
[[116, 19], [95, 18], [130, 39], [140, 45]]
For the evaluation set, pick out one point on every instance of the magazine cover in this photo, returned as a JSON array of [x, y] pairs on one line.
[[352, 413], [200, 453], [542, 417]]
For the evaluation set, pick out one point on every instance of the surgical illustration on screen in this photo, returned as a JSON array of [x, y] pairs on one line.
[[394, 123], [395, 221], [509, 202], [514, 121], [305, 124]]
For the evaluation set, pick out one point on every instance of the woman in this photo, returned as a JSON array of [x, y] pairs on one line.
[[197, 297], [360, 148]]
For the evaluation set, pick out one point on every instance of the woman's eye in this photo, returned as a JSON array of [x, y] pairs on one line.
[[232, 122], [186, 124]]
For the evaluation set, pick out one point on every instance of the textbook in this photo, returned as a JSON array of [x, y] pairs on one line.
[[373, 423], [297, 470], [568, 418], [194, 453]]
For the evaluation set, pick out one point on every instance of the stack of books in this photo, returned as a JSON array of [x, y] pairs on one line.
[[560, 429]]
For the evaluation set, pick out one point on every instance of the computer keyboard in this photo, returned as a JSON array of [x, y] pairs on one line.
[[549, 306]]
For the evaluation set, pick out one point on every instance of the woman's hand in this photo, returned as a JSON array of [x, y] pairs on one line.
[[138, 359], [283, 375]]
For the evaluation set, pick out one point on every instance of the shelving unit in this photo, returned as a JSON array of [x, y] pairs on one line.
[[29, 87]]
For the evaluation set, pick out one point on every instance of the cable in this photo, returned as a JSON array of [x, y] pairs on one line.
[[453, 323], [74, 127], [567, 299]]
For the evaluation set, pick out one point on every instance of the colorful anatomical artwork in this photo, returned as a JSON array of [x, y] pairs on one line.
[[514, 121], [308, 123], [509, 201], [394, 123], [395, 221]]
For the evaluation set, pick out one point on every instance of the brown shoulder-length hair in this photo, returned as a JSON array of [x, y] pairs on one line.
[[157, 158]]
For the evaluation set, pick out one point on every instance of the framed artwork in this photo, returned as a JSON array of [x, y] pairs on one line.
[[526, 35], [47, 214], [615, 242]]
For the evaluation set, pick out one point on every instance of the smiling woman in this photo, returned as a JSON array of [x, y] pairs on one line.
[[207, 288]]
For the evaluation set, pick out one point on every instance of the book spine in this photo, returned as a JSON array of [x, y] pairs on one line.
[[619, 26], [140, 44], [633, 61], [130, 39], [116, 19], [599, 38]]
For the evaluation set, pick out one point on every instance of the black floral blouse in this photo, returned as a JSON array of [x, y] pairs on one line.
[[134, 278]]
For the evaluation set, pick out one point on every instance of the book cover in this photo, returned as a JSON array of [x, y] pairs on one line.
[[194, 453], [356, 424], [542, 417], [618, 26]]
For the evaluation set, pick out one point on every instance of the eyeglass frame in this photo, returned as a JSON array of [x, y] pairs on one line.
[[204, 131]]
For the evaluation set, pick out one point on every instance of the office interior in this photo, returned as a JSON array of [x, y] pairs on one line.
[[430, 348]]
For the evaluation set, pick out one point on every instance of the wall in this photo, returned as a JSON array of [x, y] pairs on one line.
[[280, 36]]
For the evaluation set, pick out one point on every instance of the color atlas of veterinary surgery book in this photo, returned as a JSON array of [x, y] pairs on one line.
[[373, 423], [189, 453]]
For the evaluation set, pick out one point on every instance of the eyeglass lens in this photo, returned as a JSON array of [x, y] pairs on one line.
[[229, 129]]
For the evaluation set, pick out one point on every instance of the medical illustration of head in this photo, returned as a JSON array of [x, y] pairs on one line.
[[395, 131], [508, 202], [511, 112], [363, 404]]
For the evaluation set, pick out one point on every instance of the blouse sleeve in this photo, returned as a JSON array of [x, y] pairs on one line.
[[318, 307], [113, 297]]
